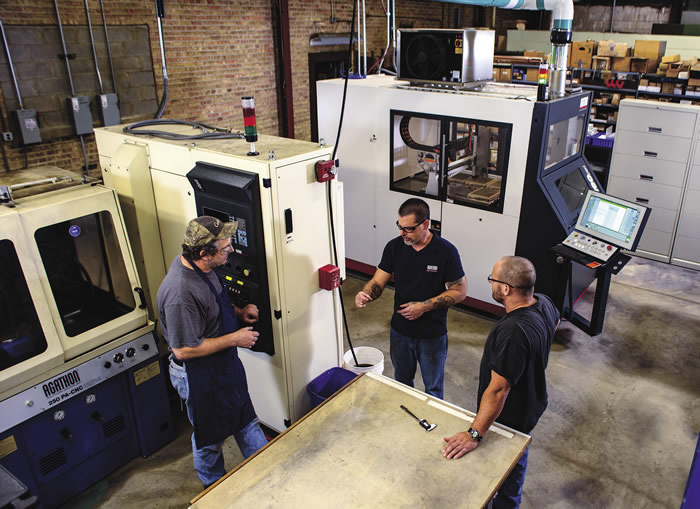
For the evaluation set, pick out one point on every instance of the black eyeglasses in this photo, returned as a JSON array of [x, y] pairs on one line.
[[492, 280], [408, 229]]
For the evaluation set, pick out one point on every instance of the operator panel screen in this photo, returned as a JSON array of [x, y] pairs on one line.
[[611, 219], [241, 236]]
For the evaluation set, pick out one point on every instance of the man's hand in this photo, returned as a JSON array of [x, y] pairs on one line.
[[361, 299], [411, 310], [249, 314], [458, 445], [245, 337]]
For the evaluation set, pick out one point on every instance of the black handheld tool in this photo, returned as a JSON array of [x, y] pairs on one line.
[[425, 424]]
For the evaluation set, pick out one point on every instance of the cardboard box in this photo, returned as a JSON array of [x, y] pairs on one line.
[[683, 75], [667, 87], [667, 59], [639, 64], [504, 74], [581, 54], [653, 50], [678, 89], [694, 82], [532, 74], [535, 54], [601, 63], [621, 63], [694, 71], [612, 49], [615, 101], [673, 70]]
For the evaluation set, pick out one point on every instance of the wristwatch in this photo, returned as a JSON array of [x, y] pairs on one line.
[[474, 434]]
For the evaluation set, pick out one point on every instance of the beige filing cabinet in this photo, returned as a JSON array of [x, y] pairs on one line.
[[656, 161]]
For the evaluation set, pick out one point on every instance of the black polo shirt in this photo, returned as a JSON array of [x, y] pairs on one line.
[[517, 348], [419, 276]]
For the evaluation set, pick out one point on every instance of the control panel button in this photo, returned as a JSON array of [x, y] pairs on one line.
[[131, 351], [107, 364], [118, 357], [145, 347]]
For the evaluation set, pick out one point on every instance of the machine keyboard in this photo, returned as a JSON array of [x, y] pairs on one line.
[[599, 250], [573, 254]]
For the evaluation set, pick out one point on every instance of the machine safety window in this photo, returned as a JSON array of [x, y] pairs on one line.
[[457, 160], [86, 271], [416, 154], [565, 139], [21, 336]]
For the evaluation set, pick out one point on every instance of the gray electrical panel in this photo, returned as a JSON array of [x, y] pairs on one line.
[[79, 111], [109, 109], [28, 126]]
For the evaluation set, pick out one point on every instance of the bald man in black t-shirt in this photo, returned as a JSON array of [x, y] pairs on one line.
[[512, 384]]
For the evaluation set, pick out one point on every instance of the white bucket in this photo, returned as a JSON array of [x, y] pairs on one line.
[[365, 355]]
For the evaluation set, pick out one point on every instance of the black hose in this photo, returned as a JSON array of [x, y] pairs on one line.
[[330, 202], [208, 132]]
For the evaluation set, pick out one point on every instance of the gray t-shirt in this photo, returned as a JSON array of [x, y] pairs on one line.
[[188, 310]]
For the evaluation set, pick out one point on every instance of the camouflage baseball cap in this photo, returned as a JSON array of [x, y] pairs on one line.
[[205, 229]]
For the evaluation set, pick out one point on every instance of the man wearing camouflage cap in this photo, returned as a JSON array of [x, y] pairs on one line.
[[201, 328]]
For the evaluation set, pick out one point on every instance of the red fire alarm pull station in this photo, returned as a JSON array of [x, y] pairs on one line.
[[329, 277], [325, 170]]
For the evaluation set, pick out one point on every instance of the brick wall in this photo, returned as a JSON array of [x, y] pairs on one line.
[[216, 51]]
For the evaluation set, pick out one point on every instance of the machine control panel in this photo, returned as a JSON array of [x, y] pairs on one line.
[[590, 245], [76, 380]]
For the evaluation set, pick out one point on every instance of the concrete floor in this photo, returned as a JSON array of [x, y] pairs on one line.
[[623, 417]]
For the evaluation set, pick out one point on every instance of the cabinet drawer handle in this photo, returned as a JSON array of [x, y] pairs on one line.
[[641, 200], [650, 154], [646, 177], [655, 129]]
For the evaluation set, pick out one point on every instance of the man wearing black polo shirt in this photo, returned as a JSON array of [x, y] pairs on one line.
[[512, 384], [428, 278]]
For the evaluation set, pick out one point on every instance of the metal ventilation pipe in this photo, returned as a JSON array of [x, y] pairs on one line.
[[563, 17]]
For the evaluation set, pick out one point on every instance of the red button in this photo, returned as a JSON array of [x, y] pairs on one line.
[[609, 248]]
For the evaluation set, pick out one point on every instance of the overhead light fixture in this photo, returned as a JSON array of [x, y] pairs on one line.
[[331, 39]]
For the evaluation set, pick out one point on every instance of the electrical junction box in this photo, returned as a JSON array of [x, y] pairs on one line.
[[79, 111], [109, 109], [28, 126]]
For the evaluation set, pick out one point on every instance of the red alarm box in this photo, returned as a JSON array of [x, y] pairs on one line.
[[328, 277]]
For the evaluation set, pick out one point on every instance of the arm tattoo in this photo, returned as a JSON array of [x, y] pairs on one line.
[[373, 290], [444, 301], [454, 283]]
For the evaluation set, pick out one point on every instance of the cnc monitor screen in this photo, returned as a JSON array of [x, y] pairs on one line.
[[611, 219]]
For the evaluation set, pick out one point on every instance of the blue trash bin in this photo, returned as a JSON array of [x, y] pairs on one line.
[[327, 383]]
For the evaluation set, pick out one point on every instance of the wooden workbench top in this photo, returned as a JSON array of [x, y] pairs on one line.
[[359, 449]]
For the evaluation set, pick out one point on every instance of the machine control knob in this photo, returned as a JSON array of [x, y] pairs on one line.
[[145, 347], [107, 364], [131, 351], [246, 272], [609, 248], [118, 357]]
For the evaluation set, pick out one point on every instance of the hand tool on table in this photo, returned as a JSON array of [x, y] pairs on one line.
[[424, 424]]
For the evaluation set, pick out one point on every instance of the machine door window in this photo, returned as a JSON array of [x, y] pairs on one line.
[[86, 271], [477, 158], [415, 154], [565, 139], [458, 160], [21, 336]]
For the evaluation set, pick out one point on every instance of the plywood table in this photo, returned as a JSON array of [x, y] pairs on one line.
[[359, 449]]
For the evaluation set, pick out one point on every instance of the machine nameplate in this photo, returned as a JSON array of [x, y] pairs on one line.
[[35, 400], [145, 374], [7, 446]]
